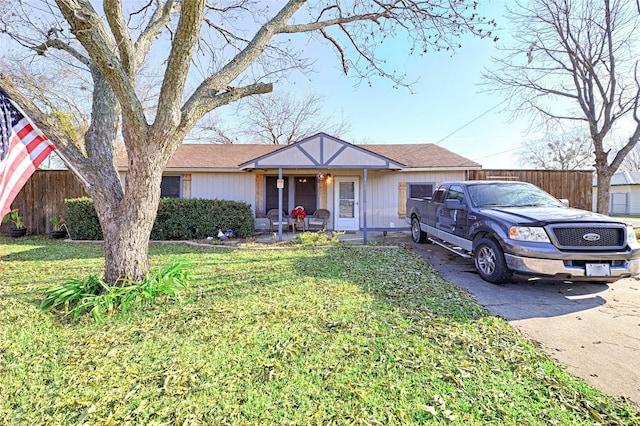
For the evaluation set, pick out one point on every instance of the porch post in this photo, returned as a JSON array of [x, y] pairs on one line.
[[364, 206], [280, 206]]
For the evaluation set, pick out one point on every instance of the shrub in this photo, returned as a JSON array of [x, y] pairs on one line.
[[177, 219], [194, 218], [320, 238], [82, 219]]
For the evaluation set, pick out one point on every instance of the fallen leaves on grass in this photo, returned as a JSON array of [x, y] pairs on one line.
[[340, 335]]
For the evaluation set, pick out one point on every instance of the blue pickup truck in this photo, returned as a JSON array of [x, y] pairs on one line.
[[515, 227]]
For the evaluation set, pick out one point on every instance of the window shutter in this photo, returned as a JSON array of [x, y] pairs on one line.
[[259, 206], [402, 199]]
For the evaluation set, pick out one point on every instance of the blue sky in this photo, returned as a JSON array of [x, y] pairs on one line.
[[446, 98]]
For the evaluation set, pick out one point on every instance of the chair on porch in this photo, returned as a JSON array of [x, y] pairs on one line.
[[318, 220], [272, 215]]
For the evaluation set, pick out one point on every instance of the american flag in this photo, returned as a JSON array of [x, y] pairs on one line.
[[22, 148]]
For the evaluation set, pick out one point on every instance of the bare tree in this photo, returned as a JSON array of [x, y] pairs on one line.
[[278, 118], [558, 151], [281, 119], [631, 162], [576, 60], [234, 41]]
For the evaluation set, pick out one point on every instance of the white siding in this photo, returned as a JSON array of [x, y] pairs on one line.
[[224, 186], [633, 199], [382, 194], [382, 191]]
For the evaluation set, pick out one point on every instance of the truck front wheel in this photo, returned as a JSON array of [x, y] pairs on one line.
[[417, 234], [490, 263]]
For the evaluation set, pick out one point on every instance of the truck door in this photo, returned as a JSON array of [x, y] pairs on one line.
[[453, 220], [433, 208]]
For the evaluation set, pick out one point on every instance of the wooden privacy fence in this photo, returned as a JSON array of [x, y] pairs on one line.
[[43, 197], [574, 185]]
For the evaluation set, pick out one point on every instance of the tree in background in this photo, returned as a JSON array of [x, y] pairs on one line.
[[205, 55], [558, 151], [278, 118], [577, 61], [631, 162]]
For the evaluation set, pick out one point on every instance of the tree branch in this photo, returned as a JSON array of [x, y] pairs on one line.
[[159, 19], [194, 110], [115, 18], [175, 76], [88, 28], [216, 82]]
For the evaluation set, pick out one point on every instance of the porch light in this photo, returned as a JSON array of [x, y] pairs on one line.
[[321, 176]]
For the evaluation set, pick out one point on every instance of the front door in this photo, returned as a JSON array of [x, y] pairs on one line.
[[347, 202]]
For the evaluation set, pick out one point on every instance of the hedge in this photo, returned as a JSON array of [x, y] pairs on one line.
[[81, 219], [177, 219]]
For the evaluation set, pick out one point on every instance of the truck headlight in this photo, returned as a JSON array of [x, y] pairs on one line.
[[631, 234], [528, 233]]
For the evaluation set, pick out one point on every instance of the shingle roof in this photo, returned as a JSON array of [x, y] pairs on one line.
[[213, 156], [230, 156], [422, 155]]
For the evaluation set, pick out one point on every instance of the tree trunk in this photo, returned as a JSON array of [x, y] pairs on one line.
[[604, 184], [126, 225]]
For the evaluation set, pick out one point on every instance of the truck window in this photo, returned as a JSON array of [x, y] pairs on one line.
[[455, 193], [438, 196], [516, 194]]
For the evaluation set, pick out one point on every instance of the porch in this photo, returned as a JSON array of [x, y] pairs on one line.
[[301, 175]]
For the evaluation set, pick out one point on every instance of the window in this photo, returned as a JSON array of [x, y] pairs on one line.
[[438, 196], [171, 186], [420, 190], [305, 193], [301, 190], [455, 193], [271, 194]]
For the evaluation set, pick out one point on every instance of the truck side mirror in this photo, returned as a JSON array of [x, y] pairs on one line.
[[453, 204], [564, 201]]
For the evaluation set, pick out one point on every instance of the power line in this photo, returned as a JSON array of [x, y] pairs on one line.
[[497, 153], [466, 124]]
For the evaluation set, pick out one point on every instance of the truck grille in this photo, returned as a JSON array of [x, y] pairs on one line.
[[589, 236]]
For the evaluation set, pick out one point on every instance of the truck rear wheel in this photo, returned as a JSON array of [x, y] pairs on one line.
[[490, 262], [417, 234]]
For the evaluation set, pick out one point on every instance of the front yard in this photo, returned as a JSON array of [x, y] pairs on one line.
[[302, 336]]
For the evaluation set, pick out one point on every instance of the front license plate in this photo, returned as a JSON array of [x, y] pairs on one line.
[[598, 270]]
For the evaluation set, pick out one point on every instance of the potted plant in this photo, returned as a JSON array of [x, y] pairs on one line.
[[59, 229], [298, 213], [14, 217]]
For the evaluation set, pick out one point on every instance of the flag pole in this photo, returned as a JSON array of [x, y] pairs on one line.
[[71, 167], [64, 159]]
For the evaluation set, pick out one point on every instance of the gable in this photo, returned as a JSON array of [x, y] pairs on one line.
[[322, 151]]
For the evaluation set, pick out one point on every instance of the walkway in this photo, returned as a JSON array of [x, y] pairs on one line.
[[355, 237]]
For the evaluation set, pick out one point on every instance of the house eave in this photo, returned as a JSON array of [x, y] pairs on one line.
[[439, 169], [170, 170]]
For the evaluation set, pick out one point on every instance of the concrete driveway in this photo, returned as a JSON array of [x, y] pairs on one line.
[[592, 329]]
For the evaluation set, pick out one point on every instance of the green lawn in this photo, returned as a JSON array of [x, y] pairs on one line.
[[296, 336]]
